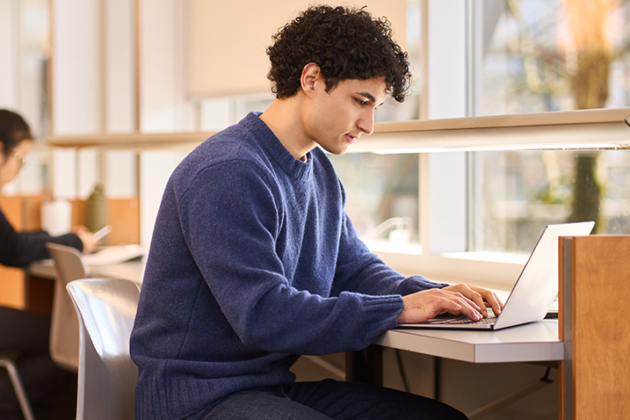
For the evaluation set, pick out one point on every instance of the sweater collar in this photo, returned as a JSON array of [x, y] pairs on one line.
[[275, 149]]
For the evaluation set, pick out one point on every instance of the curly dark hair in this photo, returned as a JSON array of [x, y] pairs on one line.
[[346, 43], [13, 130]]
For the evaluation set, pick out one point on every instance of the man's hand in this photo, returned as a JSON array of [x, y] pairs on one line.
[[458, 299], [482, 297]]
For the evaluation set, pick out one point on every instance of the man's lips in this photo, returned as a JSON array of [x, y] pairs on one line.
[[350, 138]]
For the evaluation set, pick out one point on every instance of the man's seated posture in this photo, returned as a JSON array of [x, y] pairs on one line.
[[255, 262]]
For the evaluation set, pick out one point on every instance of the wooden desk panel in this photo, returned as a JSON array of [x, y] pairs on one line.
[[123, 215], [601, 343], [12, 279], [595, 300]]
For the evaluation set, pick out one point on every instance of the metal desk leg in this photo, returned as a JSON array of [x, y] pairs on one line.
[[365, 366]]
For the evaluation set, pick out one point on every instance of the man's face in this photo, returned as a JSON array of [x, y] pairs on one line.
[[339, 117]]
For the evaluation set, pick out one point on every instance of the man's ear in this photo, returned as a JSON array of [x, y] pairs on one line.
[[310, 75]]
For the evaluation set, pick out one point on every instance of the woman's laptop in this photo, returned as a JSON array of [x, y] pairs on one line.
[[534, 291]]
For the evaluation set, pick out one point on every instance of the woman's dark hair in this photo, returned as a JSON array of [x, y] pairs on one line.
[[345, 43], [13, 131]]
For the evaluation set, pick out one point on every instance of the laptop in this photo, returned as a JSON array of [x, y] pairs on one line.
[[534, 291]]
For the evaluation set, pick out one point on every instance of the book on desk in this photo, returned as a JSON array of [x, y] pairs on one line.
[[115, 255]]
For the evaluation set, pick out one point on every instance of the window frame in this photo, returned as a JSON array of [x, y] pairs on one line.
[[450, 72]]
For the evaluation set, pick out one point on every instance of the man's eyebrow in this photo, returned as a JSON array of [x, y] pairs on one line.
[[368, 95], [370, 98]]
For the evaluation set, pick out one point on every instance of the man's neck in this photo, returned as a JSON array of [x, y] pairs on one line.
[[283, 117]]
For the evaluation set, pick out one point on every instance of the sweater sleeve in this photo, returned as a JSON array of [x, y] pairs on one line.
[[231, 228], [361, 271], [18, 249]]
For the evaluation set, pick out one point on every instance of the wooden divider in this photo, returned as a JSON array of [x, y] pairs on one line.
[[24, 213], [594, 324], [123, 215], [12, 279]]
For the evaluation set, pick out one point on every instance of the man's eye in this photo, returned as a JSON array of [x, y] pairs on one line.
[[361, 102]]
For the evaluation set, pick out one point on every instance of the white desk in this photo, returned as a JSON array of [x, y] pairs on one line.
[[590, 345], [39, 287], [132, 270], [534, 342]]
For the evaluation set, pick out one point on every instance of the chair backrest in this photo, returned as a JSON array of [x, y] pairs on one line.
[[64, 327], [107, 376]]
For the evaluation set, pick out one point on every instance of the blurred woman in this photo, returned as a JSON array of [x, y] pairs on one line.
[[24, 335]]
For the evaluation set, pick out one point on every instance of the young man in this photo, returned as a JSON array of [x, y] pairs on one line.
[[255, 262]]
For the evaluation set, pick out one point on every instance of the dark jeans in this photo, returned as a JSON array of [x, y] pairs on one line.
[[327, 400], [51, 390]]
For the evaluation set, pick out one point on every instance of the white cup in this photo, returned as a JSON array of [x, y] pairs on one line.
[[57, 217]]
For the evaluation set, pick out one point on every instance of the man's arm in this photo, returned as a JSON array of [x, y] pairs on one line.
[[18, 249], [358, 270], [361, 271], [231, 228]]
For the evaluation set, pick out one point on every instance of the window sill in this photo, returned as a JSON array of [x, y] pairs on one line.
[[492, 270], [378, 246]]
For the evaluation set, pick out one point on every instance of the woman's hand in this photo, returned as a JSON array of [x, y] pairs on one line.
[[88, 239]]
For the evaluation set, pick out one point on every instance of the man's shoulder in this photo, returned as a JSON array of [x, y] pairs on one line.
[[235, 143], [232, 150]]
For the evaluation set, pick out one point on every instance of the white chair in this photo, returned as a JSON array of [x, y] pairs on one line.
[[107, 376], [27, 412], [64, 327]]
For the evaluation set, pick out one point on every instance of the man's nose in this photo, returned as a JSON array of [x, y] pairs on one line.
[[366, 122]]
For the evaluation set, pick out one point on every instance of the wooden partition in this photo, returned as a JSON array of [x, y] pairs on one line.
[[12, 279], [24, 213], [123, 215], [594, 325]]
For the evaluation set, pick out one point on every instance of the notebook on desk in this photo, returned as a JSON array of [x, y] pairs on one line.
[[533, 292], [115, 255]]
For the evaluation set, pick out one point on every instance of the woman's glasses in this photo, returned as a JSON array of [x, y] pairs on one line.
[[21, 160]]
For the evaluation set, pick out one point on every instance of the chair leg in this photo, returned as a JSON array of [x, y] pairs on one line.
[[19, 389]]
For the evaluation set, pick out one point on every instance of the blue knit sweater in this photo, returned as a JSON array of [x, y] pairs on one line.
[[253, 262]]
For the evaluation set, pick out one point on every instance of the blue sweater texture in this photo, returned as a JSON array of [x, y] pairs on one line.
[[253, 262]]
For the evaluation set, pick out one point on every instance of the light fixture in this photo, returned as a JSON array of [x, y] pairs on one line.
[[598, 129]]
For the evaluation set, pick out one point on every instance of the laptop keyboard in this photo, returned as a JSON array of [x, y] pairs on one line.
[[483, 321]]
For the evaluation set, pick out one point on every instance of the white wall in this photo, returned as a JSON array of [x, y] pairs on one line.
[[77, 97], [89, 172], [9, 41], [447, 95], [163, 104], [120, 66], [155, 170], [121, 173], [63, 166], [94, 91]]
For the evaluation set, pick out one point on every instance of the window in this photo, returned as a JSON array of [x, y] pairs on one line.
[[519, 193], [540, 56], [512, 63], [383, 190], [382, 199], [24, 53]]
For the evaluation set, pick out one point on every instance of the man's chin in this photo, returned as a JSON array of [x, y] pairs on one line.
[[340, 151]]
